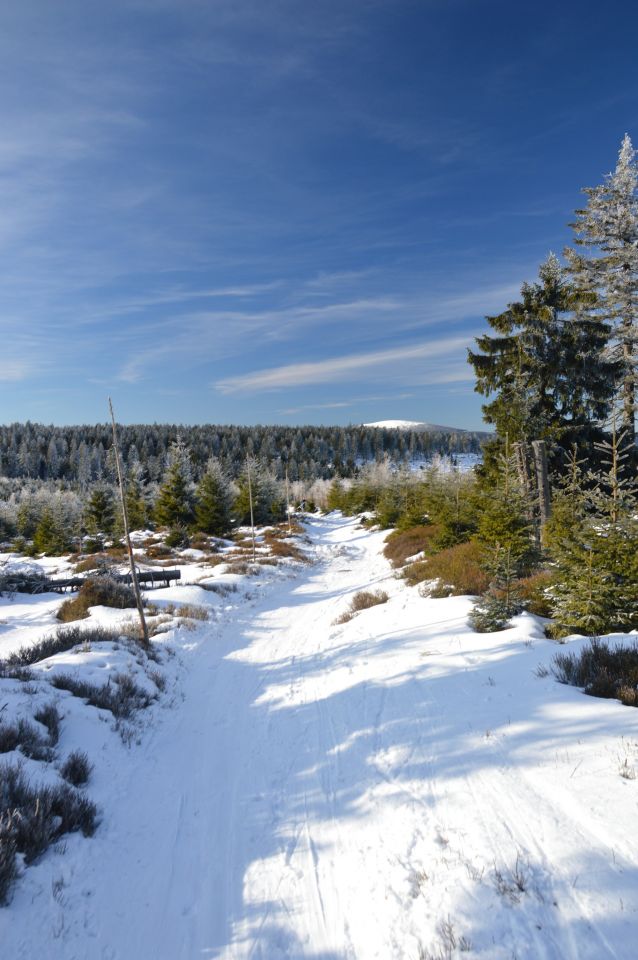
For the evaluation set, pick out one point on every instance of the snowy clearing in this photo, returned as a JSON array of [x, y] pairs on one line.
[[392, 787]]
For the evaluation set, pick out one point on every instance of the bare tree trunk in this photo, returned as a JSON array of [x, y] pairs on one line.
[[542, 479], [134, 580], [629, 394], [521, 454], [522, 467]]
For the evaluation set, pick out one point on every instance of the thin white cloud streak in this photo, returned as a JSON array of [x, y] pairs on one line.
[[341, 404], [223, 333], [12, 371], [171, 297], [337, 369]]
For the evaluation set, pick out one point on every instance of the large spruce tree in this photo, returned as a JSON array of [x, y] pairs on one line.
[[545, 371]]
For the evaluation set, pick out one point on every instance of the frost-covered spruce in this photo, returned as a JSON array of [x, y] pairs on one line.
[[606, 268]]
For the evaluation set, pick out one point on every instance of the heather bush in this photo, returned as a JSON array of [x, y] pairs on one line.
[[403, 544], [533, 591], [457, 569], [121, 696], [602, 669], [65, 638], [8, 855], [97, 591], [33, 817], [24, 736], [49, 717], [76, 769]]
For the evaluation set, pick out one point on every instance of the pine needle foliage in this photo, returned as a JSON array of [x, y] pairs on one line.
[[593, 541], [544, 371], [509, 550], [175, 502], [100, 511], [268, 498], [51, 535], [213, 501]]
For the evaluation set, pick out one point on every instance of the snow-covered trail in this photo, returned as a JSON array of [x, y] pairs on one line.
[[356, 791]]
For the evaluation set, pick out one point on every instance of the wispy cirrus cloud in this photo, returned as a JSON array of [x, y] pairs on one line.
[[12, 371], [181, 295], [344, 404], [337, 369]]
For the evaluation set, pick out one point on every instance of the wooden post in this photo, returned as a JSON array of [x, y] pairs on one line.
[[250, 498], [542, 479], [134, 580], [288, 504]]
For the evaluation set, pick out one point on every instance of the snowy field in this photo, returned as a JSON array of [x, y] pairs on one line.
[[392, 787]]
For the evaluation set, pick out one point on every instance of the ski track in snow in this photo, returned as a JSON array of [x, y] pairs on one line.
[[344, 792]]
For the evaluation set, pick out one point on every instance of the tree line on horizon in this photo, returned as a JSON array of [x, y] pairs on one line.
[[81, 455]]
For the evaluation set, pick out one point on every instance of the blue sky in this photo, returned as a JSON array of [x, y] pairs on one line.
[[290, 212]]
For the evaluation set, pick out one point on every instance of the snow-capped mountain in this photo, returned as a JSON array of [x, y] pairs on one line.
[[416, 425]]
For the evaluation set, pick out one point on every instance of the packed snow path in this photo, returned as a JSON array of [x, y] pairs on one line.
[[393, 785]]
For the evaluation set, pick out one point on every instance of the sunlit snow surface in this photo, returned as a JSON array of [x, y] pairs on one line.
[[308, 790]]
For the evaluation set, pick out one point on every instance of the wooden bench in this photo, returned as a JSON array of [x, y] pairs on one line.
[[34, 585]]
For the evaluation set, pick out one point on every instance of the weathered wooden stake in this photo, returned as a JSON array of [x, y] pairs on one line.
[[250, 498], [288, 504], [134, 580]]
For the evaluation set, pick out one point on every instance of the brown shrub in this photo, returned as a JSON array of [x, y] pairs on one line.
[[158, 551], [295, 527], [407, 543], [117, 551], [239, 567], [200, 542], [532, 592], [283, 548], [93, 562], [213, 559], [192, 611], [97, 591], [362, 601], [242, 540], [458, 570], [628, 695]]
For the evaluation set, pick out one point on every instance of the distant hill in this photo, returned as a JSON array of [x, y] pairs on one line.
[[418, 426]]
